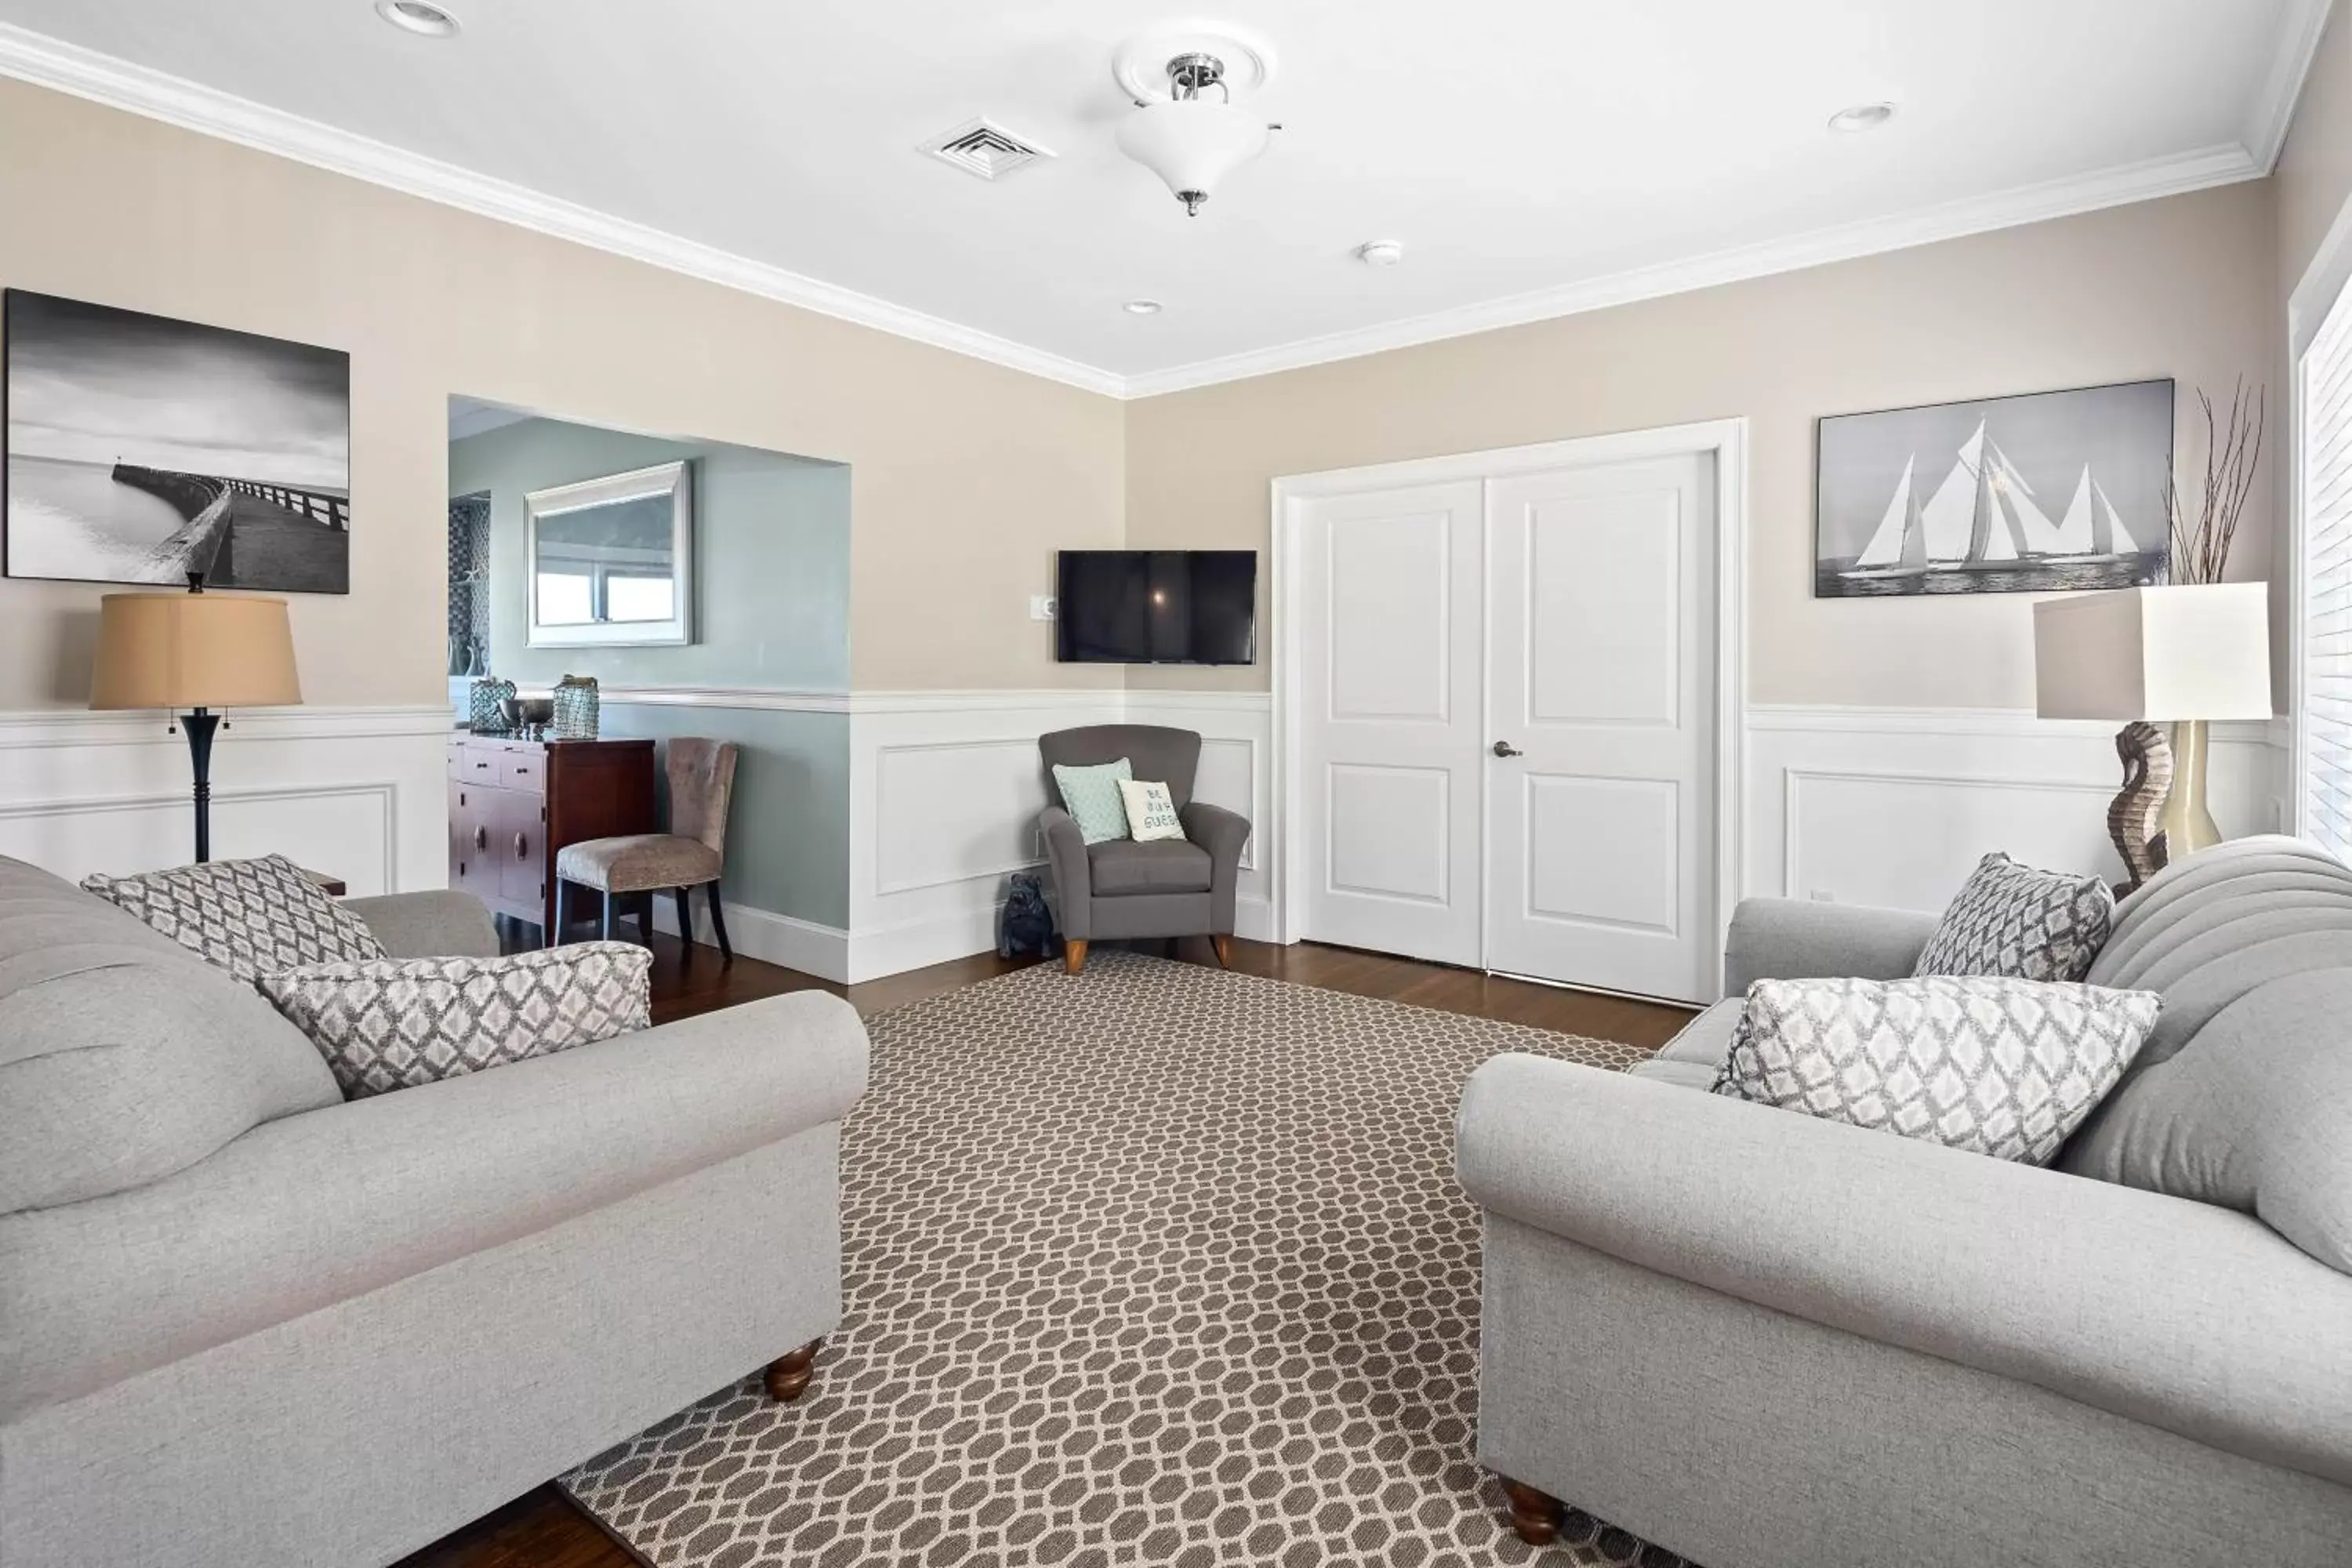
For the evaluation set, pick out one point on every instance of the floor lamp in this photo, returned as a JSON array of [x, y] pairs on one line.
[[2181, 656], [198, 652]]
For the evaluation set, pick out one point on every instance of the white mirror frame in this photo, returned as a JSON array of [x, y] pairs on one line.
[[675, 480]]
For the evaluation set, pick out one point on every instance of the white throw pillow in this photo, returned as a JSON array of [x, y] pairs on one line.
[[1150, 810], [2000, 1067]]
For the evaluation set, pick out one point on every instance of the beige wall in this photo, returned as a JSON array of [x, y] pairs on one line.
[[2314, 177], [2180, 288], [965, 476]]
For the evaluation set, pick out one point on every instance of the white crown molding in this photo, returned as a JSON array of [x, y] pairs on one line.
[[1954, 220], [140, 89], [120, 84], [2273, 112]]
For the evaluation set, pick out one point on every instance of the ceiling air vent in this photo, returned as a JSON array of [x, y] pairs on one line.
[[986, 149]]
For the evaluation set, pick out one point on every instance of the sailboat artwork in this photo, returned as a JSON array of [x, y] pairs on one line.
[[1963, 513]]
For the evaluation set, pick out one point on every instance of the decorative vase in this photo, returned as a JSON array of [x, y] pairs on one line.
[[482, 708], [2188, 826], [576, 707]]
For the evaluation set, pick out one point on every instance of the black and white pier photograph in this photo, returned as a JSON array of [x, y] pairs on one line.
[[144, 449]]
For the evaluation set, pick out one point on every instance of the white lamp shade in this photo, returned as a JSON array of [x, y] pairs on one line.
[[2164, 654], [1191, 143]]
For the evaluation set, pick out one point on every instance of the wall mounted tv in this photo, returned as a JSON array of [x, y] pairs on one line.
[[1157, 606]]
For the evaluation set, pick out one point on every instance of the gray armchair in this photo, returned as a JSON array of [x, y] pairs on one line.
[[1122, 889]]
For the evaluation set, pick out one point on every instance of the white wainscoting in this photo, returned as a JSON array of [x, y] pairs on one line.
[[1893, 806], [360, 792], [945, 791]]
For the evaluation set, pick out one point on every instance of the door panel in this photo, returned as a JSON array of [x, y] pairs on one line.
[[1601, 657], [1391, 657]]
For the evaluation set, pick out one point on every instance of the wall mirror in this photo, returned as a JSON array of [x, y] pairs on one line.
[[611, 560]]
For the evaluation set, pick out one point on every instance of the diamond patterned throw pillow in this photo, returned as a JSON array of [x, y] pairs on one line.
[[397, 1023], [249, 916], [2014, 921], [2005, 1068]]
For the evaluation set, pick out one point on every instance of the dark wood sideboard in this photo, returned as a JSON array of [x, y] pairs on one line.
[[513, 804]]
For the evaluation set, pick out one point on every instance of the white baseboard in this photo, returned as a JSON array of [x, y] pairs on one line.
[[812, 949]]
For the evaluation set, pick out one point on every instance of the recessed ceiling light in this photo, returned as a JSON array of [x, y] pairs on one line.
[[1141, 307], [1861, 117], [417, 16], [1380, 253]]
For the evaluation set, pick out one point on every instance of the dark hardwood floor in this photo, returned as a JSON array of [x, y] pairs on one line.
[[542, 1530]]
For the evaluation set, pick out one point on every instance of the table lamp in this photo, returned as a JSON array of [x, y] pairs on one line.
[[196, 651], [2182, 655]]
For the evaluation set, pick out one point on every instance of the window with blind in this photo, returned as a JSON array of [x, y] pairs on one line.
[[2324, 727]]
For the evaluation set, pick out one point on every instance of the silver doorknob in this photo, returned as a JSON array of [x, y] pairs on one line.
[[1505, 749]]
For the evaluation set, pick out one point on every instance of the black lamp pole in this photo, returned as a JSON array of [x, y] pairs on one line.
[[200, 725]]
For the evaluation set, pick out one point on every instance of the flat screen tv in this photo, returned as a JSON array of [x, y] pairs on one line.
[[1157, 606]]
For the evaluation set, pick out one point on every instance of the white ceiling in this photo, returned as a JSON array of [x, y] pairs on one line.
[[1533, 156]]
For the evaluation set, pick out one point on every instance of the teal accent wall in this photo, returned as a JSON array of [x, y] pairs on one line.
[[772, 610]]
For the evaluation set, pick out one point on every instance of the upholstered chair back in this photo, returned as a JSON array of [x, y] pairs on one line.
[[1153, 750], [701, 783]]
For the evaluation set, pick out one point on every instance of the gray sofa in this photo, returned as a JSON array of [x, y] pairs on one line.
[[1766, 1341], [1169, 887], [245, 1323]]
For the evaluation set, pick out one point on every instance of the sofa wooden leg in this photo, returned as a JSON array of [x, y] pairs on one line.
[[1535, 1516], [1074, 955], [788, 1375], [1223, 946]]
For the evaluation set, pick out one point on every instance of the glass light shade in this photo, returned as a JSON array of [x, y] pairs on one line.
[[1192, 144]]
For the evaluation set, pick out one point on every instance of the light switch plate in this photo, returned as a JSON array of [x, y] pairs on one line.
[[1043, 607]]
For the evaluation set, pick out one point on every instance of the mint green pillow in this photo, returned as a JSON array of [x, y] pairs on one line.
[[1092, 798]]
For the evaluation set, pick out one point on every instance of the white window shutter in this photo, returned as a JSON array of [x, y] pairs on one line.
[[2326, 722]]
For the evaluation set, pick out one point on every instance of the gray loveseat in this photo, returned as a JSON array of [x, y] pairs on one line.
[[244, 1323], [1767, 1340]]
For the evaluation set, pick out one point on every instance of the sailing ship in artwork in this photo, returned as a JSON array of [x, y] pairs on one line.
[[1985, 516]]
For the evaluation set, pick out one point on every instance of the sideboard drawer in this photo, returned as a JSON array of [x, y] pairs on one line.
[[458, 768], [523, 770], [482, 760]]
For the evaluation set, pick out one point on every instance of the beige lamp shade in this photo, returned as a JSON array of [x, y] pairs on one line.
[[2164, 654], [194, 650]]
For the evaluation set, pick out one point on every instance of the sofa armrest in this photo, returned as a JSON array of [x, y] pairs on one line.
[[2198, 1319], [1066, 852], [316, 1208], [1224, 835], [439, 924], [1794, 939]]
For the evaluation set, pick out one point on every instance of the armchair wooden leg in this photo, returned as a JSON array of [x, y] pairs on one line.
[[604, 921], [562, 913], [1074, 955], [788, 1375], [1223, 944], [718, 920], [684, 921], [1535, 1516]]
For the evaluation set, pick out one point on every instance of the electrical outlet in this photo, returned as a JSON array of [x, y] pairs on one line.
[[1043, 607], [1822, 896]]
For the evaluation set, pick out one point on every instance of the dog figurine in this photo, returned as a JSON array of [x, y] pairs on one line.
[[1024, 924]]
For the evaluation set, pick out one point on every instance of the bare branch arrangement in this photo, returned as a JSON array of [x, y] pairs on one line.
[[2234, 451]]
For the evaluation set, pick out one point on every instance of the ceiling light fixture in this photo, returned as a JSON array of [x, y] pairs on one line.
[[1141, 307], [1380, 253], [425, 20], [1861, 117], [1188, 141]]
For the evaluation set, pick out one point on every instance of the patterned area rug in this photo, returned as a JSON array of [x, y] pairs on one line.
[[1159, 1265]]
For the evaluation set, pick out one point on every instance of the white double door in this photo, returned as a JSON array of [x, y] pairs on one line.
[[1507, 725]]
